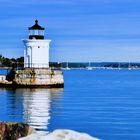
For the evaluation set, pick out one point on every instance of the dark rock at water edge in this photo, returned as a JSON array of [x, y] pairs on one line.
[[13, 131]]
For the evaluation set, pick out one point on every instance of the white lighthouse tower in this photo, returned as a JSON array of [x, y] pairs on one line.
[[36, 48]]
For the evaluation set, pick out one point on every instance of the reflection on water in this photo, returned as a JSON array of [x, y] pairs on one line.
[[32, 106]]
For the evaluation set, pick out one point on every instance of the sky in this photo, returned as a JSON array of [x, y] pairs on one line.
[[80, 30]]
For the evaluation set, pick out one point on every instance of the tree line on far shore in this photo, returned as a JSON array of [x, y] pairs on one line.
[[10, 62], [19, 63]]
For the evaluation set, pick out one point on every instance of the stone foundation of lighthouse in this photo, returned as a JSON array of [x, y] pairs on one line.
[[33, 78], [38, 78]]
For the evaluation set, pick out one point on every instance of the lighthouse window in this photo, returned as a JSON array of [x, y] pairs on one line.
[[39, 32], [35, 32]]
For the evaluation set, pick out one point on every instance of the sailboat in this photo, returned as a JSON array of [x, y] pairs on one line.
[[89, 66], [67, 66], [129, 66], [119, 66]]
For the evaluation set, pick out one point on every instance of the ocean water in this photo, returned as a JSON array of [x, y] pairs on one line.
[[102, 103]]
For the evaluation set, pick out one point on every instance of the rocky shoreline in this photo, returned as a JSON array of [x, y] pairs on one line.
[[21, 131]]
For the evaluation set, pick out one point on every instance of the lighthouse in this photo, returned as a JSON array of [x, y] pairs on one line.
[[36, 71], [36, 48]]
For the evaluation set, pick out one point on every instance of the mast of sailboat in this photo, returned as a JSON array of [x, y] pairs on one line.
[[119, 65], [67, 65], [89, 66]]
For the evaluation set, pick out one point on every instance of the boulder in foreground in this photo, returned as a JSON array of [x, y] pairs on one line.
[[13, 131], [60, 134]]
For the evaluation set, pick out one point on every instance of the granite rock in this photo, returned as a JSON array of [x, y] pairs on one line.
[[60, 134], [13, 131]]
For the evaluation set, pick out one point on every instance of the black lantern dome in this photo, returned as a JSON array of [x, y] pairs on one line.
[[36, 31]]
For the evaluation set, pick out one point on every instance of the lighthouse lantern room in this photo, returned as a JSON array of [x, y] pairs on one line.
[[36, 48]]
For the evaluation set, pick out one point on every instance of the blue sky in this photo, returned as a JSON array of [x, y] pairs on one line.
[[80, 30]]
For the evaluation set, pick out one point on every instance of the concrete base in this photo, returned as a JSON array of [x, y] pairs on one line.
[[34, 77], [41, 77]]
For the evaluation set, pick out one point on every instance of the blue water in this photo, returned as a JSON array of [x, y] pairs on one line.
[[103, 103], [4, 71]]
